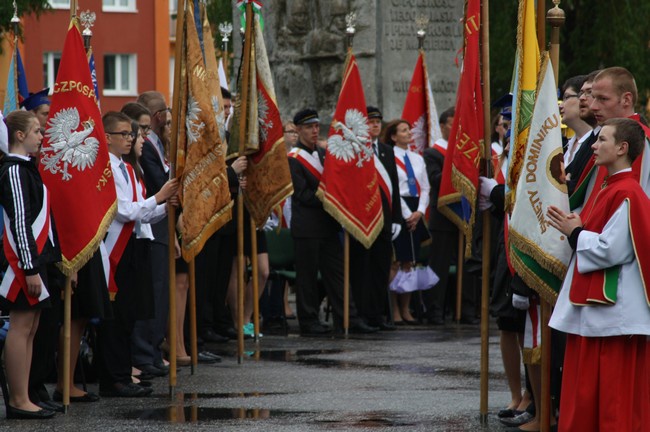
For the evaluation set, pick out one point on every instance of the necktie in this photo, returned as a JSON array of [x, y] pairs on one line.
[[410, 176], [374, 148], [124, 173]]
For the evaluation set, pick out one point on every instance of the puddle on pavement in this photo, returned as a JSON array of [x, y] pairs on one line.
[[195, 396], [194, 414], [368, 421]]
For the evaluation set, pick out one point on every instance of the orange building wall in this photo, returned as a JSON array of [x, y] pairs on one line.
[[144, 33]]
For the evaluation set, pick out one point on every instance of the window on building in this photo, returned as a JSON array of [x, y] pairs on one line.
[[118, 5], [51, 61], [120, 75], [60, 4]]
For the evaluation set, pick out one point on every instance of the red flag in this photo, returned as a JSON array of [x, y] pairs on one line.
[[457, 197], [74, 159], [420, 109], [349, 186]]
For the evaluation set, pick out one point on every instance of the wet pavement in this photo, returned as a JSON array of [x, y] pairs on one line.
[[418, 378]]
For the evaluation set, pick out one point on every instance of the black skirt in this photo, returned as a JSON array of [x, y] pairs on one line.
[[90, 296], [22, 303], [407, 244]]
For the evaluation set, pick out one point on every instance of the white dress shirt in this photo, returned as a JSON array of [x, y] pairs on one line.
[[420, 171]]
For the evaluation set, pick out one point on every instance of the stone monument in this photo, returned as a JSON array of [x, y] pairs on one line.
[[305, 40]]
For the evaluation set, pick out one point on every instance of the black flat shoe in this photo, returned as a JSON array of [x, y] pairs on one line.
[[411, 322], [51, 406], [125, 390], [88, 397], [508, 413], [18, 414]]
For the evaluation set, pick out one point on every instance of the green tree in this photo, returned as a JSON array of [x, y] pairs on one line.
[[25, 7]]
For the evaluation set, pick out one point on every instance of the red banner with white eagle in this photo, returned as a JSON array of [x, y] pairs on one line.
[[349, 186], [420, 109], [74, 158]]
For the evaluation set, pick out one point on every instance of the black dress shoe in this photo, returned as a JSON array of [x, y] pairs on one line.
[[88, 397], [211, 355], [386, 326], [51, 406], [316, 329], [363, 328], [162, 366], [210, 336], [411, 322], [125, 390], [508, 413], [18, 414], [202, 357], [152, 371]]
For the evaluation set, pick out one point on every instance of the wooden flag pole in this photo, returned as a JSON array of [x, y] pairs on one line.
[[459, 274], [346, 283], [485, 275], [256, 283], [555, 17], [243, 120], [67, 305], [193, 336], [67, 317], [171, 213]]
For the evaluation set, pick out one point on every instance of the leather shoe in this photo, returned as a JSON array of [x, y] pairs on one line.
[[316, 329], [205, 358], [51, 406], [18, 414], [229, 332], [522, 418], [88, 397], [152, 371], [363, 328], [210, 336], [508, 413], [183, 361], [411, 322], [386, 326], [125, 390]]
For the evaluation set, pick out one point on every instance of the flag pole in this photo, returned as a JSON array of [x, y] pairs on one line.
[[256, 284], [459, 274], [555, 17], [485, 275], [193, 336], [171, 226], [240, 196]]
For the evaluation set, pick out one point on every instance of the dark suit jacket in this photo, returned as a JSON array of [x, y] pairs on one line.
[[391, 216], [154, 179], [434, 161], [308, 217], [580, 161]]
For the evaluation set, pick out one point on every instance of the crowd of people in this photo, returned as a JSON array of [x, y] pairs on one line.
[[403, 278]]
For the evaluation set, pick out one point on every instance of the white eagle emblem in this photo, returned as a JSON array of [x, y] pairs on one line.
[[193, 122], [262, 114], [69, 146], [418, 143], [354, 141]]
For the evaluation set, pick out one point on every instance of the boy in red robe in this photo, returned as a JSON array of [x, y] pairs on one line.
[[604, 301]]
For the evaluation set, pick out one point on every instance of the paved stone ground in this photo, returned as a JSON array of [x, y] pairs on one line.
[[417, 378]]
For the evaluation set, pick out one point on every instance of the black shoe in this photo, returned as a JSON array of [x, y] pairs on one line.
[[518, 420], [18, 414], [152, 370], [316, 329], [162, 366], [362, 328], [204, 358], [125, 390], [229, 333], [88, 397], [210, 336], [51, 406], [386, 326], [211, 355]]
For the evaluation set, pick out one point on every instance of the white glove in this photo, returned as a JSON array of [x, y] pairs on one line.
[[484, 203], [487, 184], [395, 230], [520, 302]]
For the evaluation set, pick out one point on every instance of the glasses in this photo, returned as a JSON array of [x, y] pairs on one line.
[[124, 134], [145, 128], [291, 132], [569, 96], [585, 93]]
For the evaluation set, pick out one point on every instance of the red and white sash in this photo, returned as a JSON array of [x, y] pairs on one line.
[[308, 160], [384, 181], [14, 279], [116, 242], [400, 164]]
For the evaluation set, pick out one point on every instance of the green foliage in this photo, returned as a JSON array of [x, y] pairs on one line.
[[596, 34], [25, 7]]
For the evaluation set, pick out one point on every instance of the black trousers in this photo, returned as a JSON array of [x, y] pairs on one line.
[[213, 268], [114, 335], [369, 274], [311, 256]]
